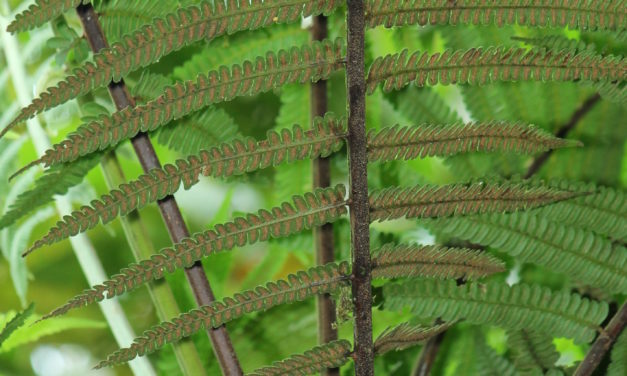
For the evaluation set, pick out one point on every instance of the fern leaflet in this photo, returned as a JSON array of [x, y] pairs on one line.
[[579, 254], [312, 209], [16, 322], [330, 355], [479, 66], [41, 12], [618, 365], [533, 352], [444, 140], [584, 15], [168, 34], [308, 63], [235, 158], [429, 201], [513, 307], [405, 335], [297, 287], [437, 261]]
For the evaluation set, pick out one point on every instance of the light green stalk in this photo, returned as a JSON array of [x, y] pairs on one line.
[[83, 249]]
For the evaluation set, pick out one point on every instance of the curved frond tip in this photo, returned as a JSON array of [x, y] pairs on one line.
[[206, 20], [297, 287], [437, 261], [426, 140], [305, 212], [232, 158], [574, 14], [310, 62], [512, 307], [479, 66], [41, 12], [429, 201], [405, 335]]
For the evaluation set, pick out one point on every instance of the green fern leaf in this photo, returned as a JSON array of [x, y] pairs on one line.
[[297, 287], [15, 323], [236, 158], [428, 201], [41, 12], [424, 105], [168, 34], [489, 362], [308, 63], [575, 14], [437, 261], [404, 336], [578, 253], [312, 209], [618, 365], [444, 140], [119, 17], [533, 352], [479, 66], [330, 355], [512, 307], [56, 181]]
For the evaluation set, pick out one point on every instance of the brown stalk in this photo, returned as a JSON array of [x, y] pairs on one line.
[[603, 343], [428, 354], [323, 236], [170, 211], [359, 211]]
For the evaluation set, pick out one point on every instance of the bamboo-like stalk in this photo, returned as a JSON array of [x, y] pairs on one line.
[[603, 343], [323, 236], [83, 249], [358, 203], [170, 212]]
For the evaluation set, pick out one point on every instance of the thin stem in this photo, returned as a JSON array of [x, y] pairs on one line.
[[83, 249], [170, 212], [428, 354], [323, 236], [563, 131], [359, 211], [603, 343]]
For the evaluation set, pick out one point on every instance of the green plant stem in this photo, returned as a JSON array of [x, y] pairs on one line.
[[82, 247], [142, 248], [358, 203], [323, 236]]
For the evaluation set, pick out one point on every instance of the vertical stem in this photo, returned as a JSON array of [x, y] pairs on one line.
[[359, 211], [170, 212], [323, 236]]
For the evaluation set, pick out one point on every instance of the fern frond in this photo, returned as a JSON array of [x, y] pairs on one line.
[[533, 352], [445, 140], [425, 105], [308, 63], [405, 335], [56, 181], [171, 33], [513, 307], [15, 323], [41, 12], [436, 261], [575, 14], [479, 66], [228, 159], [429, 201], [618, 365], [489, 362], [297, 287], [330, 355], [312, 209], [578, 253]]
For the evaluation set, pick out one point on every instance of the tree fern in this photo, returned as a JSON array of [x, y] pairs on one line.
[[312, 209], [165, 35], [236, 158], [310, 62], [300, 286], [579, 254], [533, 352], [41, 12], [392, 261], [426, 201], [478, 66], [405, 335], [330, 355], [517, 307], [445, 140], [586, 15]]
